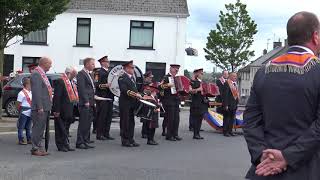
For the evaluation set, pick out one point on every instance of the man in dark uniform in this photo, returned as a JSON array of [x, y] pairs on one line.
[[220, 83], [282, 117], [127, 104], [171, 101], [199, 103], [146, 84], [65, 95], [104, 101], [230, 99]]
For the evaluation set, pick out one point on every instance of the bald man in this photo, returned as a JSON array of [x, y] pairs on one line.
[[41, 104]]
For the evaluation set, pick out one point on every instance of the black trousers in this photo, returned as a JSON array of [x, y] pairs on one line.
[[173, 120], [191, 122], [127, 123], [228, 120], [95, 119], [104, 118], [85, 120], [144, 130], [61, 134], [164, 123], [197, 122]]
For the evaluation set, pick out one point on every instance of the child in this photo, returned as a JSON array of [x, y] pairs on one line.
[[24, 106]]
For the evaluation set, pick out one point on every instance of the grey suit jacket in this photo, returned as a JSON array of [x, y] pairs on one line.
[[40, 93], [85, 89]]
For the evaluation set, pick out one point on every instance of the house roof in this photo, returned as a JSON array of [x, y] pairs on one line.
[[132, 7], [265, 58]]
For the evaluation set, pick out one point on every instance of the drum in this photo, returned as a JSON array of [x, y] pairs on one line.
[[116, 72], [145, 110], [182, 85], [210, 89]]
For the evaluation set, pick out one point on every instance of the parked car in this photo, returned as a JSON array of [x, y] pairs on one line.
[[14, 86]]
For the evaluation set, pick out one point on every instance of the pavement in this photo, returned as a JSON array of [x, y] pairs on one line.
[[214, 158]]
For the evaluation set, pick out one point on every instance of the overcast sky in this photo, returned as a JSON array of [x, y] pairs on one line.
[[271, 17]]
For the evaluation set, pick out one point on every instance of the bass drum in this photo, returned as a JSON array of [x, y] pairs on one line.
[[118, 71]]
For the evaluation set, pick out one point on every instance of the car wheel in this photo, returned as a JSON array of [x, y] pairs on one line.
[[11, 108]]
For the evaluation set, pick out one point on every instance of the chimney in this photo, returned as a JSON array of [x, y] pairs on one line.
[[277, 44], [264, 52], [285, 42]]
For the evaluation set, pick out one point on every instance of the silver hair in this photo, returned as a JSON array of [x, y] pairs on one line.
[[70, 69]]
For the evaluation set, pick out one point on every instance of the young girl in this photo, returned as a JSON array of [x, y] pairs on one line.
[[24, 106]]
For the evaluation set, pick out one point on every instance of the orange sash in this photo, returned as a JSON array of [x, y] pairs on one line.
[[45, 80], [25, 92], [234, 89], [71, 88]]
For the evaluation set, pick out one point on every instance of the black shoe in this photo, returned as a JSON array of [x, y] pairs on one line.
[[197, 137], [63, 149], [90, 142], [109, 138], [201, 130], [101, 138], [190, 129], [178, 138], [152, 142], [81, 146], [134, 144], [171, 139], [69, 135], [226, 135], [88, 146], [144, 136], [126, 144], [70, 149], [164, 133], [232, 134]]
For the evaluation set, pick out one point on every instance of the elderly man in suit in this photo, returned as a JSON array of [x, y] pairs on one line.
[[86, 90], [282, 117], [65, 96], [41, 104]]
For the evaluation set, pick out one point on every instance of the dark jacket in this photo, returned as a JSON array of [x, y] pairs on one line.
[[40, 94], [126, 85], [168, 99], [227, 98], [199, 103], [103, 79], [85, 89], [61, 102], [221, 88], [283, 112]]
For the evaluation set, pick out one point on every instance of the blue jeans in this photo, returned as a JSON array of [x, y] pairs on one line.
[[24, 122]]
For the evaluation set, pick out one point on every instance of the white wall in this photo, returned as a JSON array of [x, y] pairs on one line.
[[109, 36]]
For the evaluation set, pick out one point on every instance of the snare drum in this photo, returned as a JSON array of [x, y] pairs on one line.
[[145, 110]]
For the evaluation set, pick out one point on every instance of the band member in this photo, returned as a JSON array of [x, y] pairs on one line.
[[146, 85], [199, 103], [104, 101], [171, 103], [24, 100], [127, 104], [230, 99], [152, 124], [220, 83], [41, 104], [65, 96], [86, 89]]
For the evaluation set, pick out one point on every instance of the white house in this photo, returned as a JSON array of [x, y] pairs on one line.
[[152, 33]]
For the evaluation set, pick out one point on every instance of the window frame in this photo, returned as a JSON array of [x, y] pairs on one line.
[[141, 27], [34, 42], [77, 25]]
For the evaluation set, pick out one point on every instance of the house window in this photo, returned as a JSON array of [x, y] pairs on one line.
[[36, 37], [158, 70], [83, 31], [26, 61], [141, 34]]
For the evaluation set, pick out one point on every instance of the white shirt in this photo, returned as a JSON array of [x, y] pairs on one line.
[[305, 48], [23, 100], [88, 73]]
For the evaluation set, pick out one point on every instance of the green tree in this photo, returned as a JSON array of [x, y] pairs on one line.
[[228, 46], [187, 73], [20, 17]]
